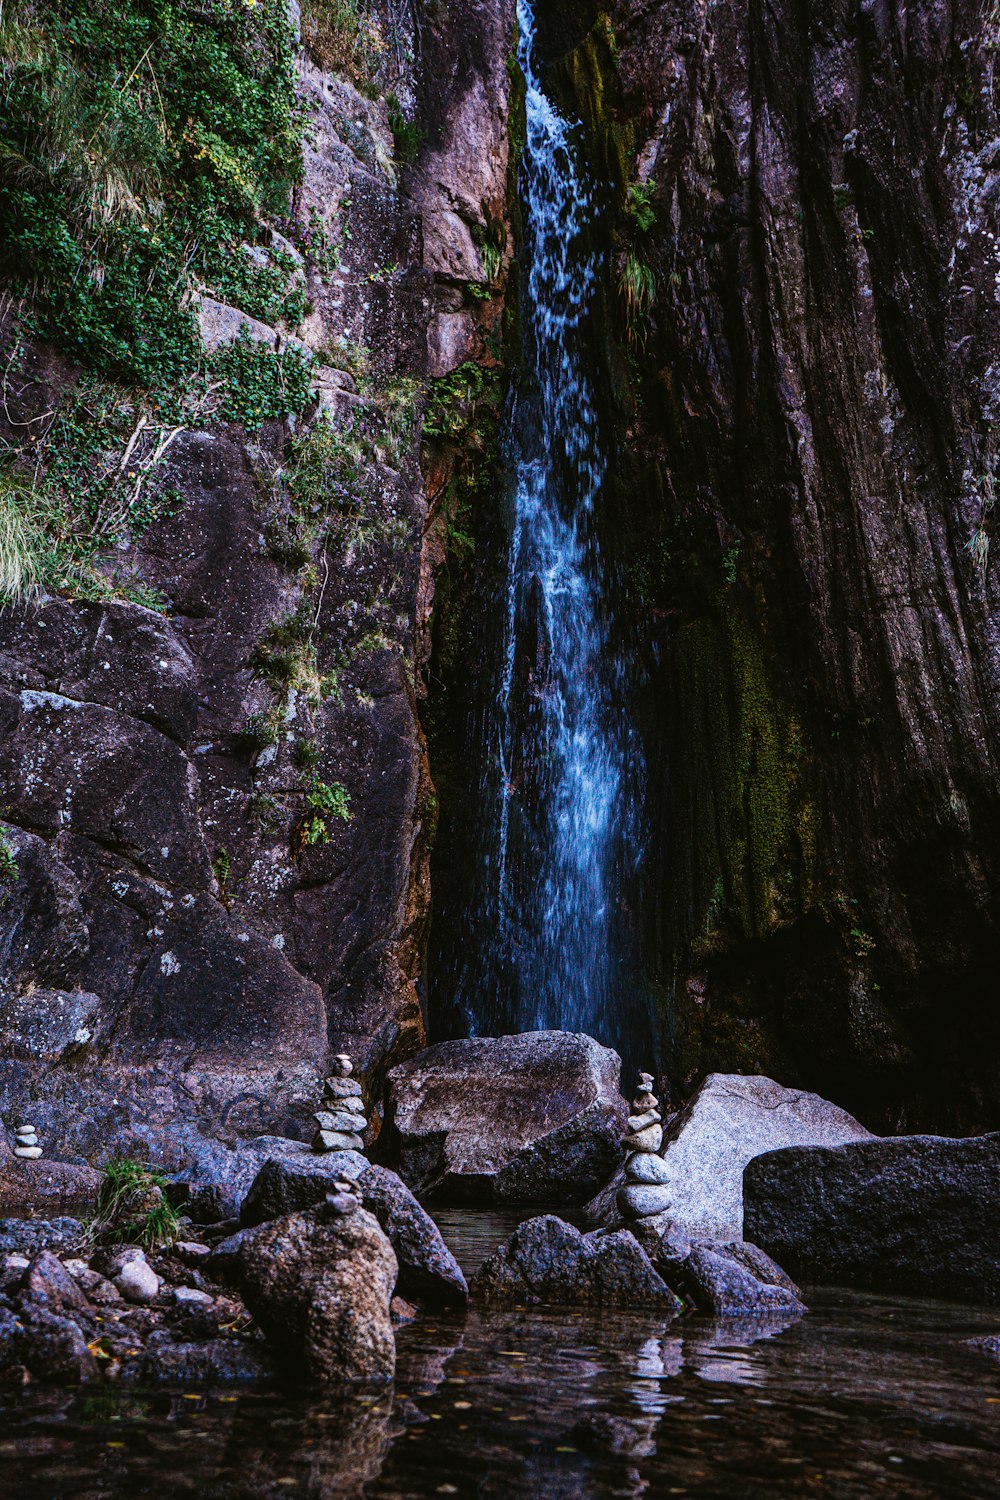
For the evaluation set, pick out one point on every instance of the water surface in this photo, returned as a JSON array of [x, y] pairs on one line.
[[864, 1397]]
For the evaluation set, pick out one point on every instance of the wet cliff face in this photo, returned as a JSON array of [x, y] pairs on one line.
[[217, 805], [813, 378]]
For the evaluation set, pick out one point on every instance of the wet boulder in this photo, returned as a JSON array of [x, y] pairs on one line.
[[321, 1291], [536, 1118], [546, 1260], [55, 1348], [288, 1184], [737, 1281], [29, 1236], [729, 1121], [911, 1214], [428, 1272]]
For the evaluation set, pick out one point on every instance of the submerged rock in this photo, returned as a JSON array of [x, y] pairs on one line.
[[913, 1214], [532, 1118], [321, 1292], [547, 1260], [730, 1120]]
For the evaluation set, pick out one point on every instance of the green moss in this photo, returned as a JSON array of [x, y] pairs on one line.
[[753, 826]]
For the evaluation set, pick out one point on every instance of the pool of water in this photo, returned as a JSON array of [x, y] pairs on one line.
[[864, 1397]]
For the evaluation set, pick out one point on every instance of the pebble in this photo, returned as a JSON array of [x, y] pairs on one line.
[[340, 1204], [138, 1282], [649, 1139], [342, 1066], [639, 1122], [637, 1200], [337, 1140], [342, 1088], [31, 1152], [646, 1167], [189, 1296], [341, 1121]]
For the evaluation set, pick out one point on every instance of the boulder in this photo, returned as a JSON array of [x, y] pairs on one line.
[[31, 1187], [730, 1120], [428, 1271], [287, 1185], [912, 1214], [547, 1260], [731, 1282], [321, 1293], [988, 1344], [48, 1279], [54, 1348], [214, 1186], [536, 1118]]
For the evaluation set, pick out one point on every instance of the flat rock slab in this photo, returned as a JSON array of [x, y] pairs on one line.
[[914, 1214], [730, 1120], [532, 1119]]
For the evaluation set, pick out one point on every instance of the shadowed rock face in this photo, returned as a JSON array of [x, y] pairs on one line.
[[532, 1118], [912, 1214], [814, 457], [176, 959]]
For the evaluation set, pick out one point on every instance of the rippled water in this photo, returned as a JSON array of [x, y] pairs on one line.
[[864, 1397]]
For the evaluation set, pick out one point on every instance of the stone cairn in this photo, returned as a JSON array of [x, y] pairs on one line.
[[646, 1189], [341, 1122], [26, 1142]]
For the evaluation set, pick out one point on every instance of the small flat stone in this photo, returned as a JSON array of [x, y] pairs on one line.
[[645, 1101], [639, 1122], [646, 1082], [637, 1200], [342, 1088], [341, 1067], [189, 1296], [192, 1251], [340, 1204], [646, 1167], [339, 1120], [27, 1140], [337, 1140], [649, 1139], [25, 1130], [30, 1152], [353, 1104]]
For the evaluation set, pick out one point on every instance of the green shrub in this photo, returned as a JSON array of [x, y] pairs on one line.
[[132, 1208]]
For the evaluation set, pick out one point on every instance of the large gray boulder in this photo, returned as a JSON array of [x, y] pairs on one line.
[[428, 1272], [536, 1118], [320, 1290], [730, 1120], [546, 1260], [914, 1214]]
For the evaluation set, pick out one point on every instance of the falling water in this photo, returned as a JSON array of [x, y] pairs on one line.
[[545, 927]]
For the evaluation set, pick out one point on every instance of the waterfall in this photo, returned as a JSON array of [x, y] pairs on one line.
[[544, 935]]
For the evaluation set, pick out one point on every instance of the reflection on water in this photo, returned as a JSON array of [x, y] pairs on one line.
[[863, 1397]]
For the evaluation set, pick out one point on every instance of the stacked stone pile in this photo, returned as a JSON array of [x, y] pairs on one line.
[[646, 1189], [26, 1142], [341, 1123]]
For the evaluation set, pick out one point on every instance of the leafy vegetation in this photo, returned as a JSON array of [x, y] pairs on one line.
[[9, 871], [344, 37], [638, 287], [142, 148], [324, 802], [132, 1208]]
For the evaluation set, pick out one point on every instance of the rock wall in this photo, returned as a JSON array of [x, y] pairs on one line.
[[218, 809], [811, 398]]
